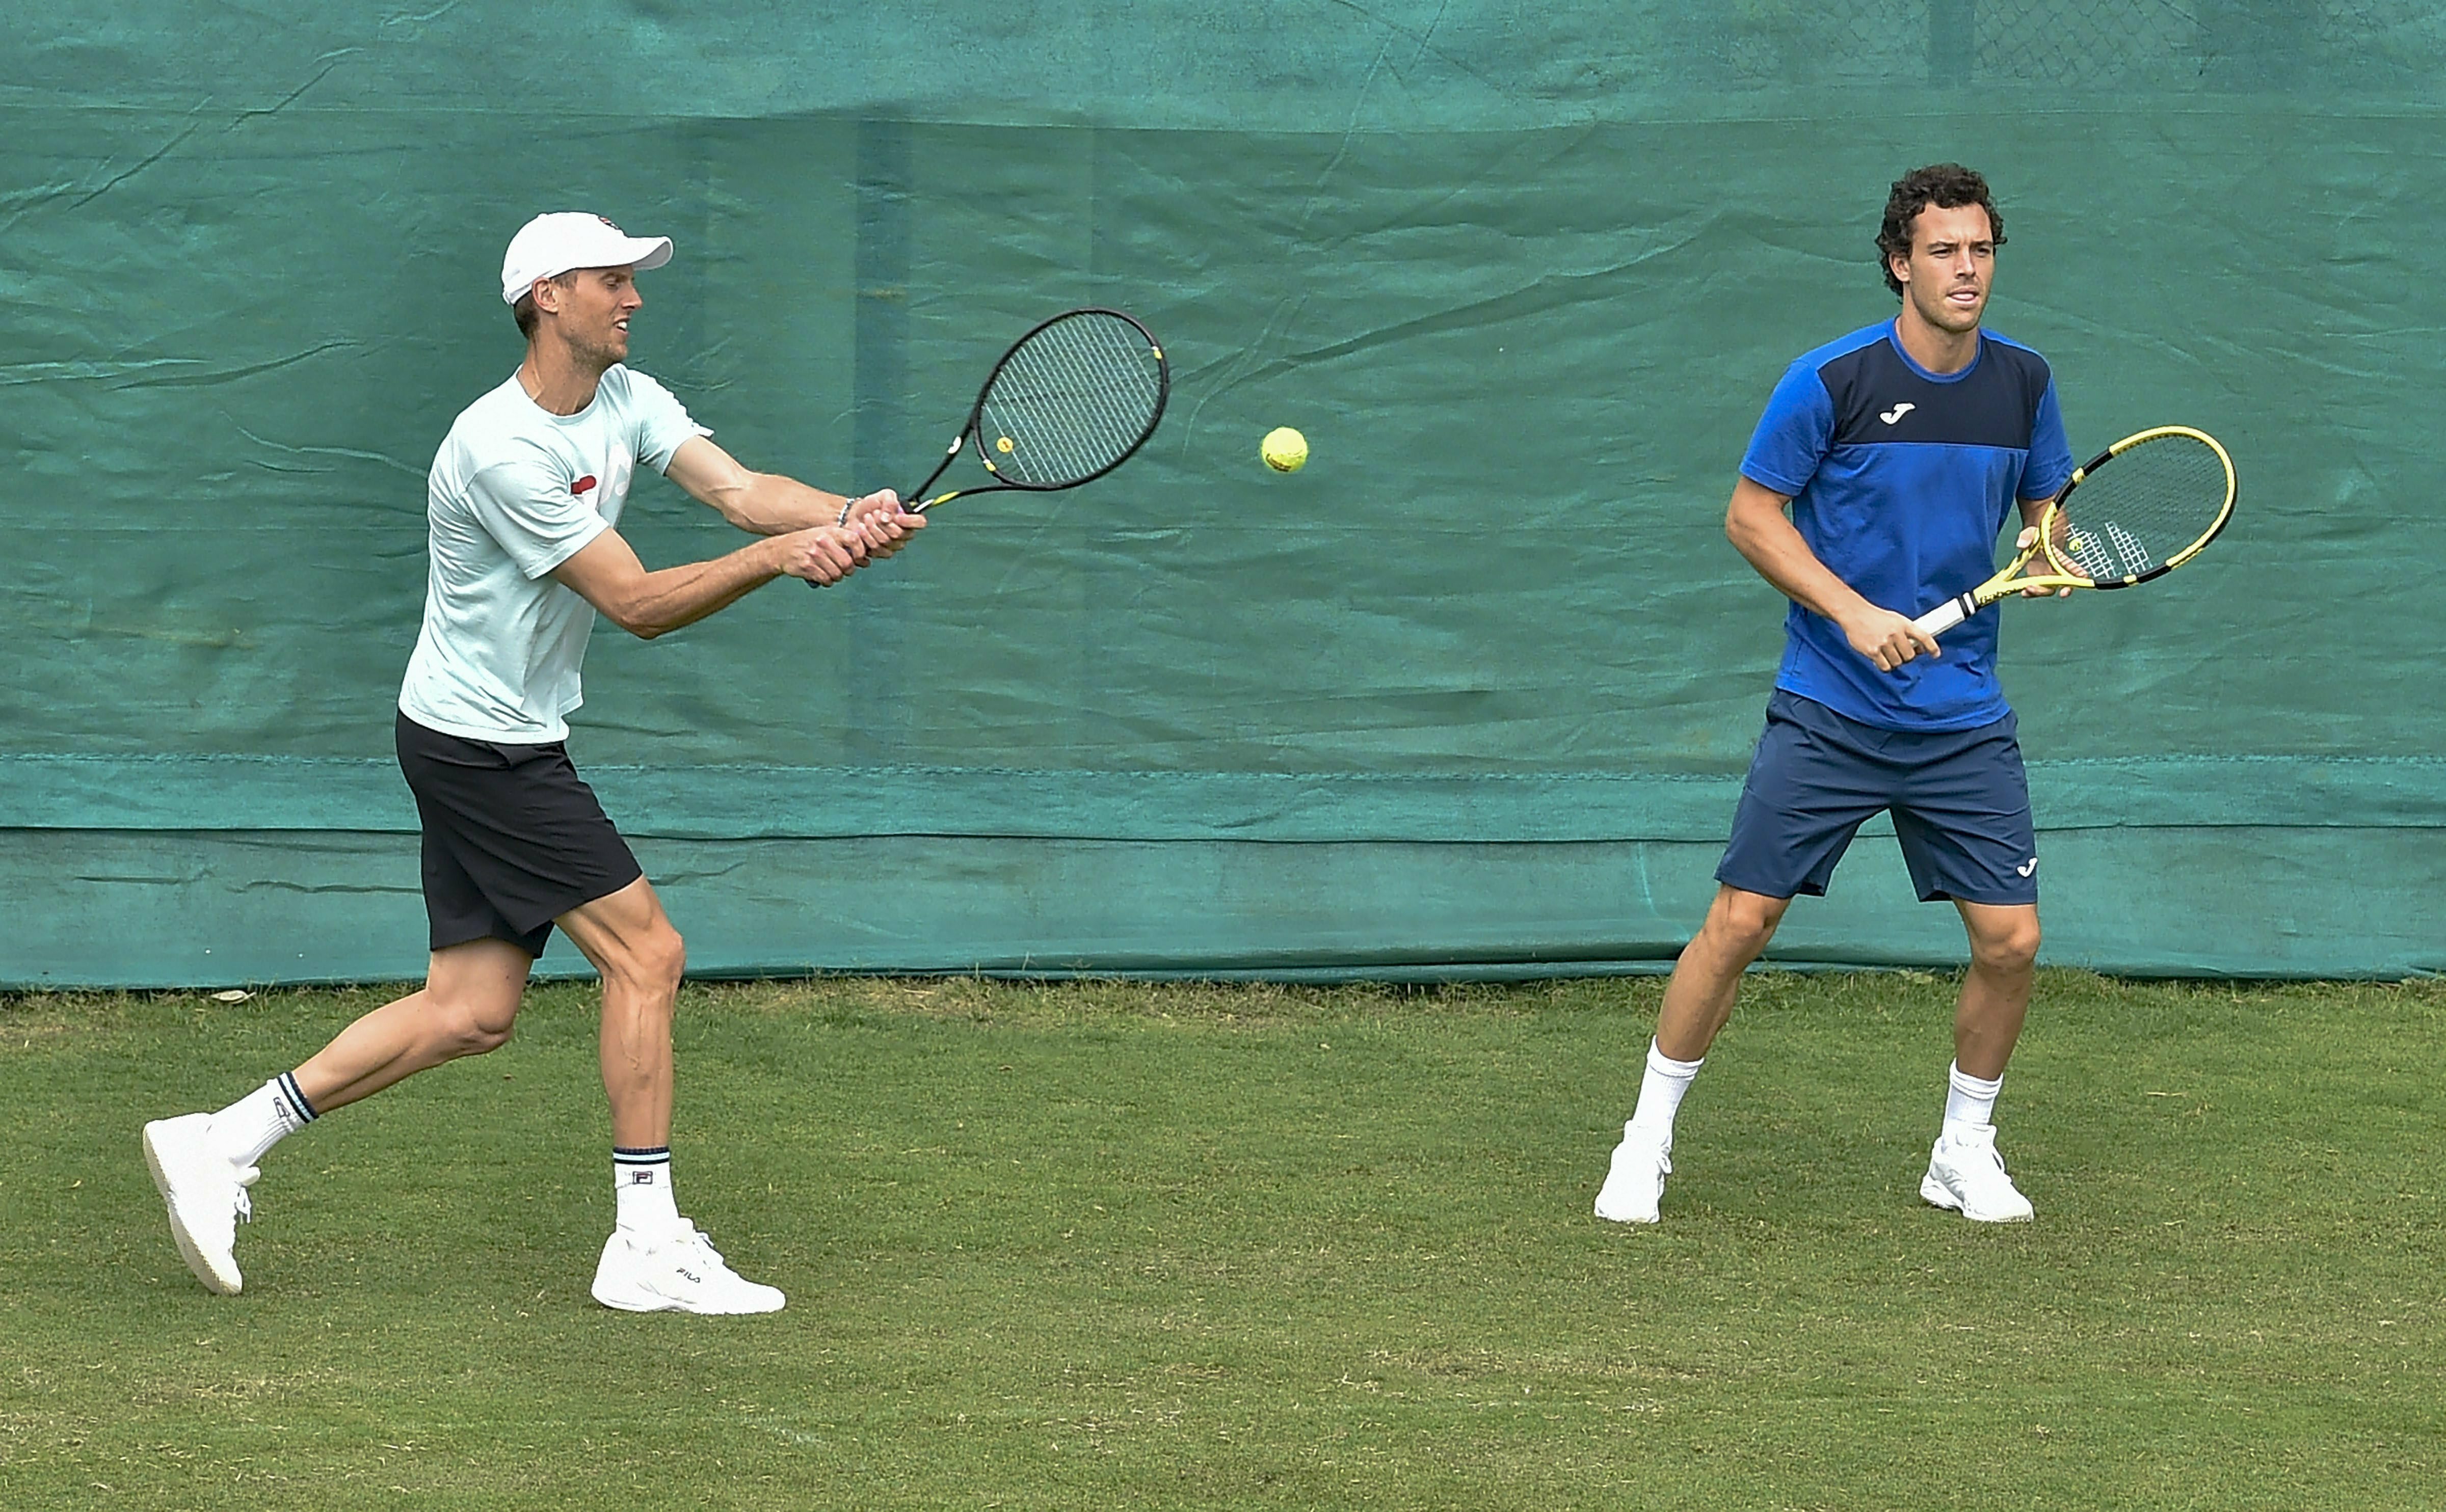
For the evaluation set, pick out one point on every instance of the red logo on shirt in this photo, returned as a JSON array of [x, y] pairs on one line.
[[582, 485]]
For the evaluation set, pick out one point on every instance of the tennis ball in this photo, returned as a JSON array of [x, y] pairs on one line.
[[1284, 449]]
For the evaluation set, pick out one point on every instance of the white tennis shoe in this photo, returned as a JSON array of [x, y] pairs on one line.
[[1966, 1175], [1635, 1184], [205, 1193], [679, 1272]]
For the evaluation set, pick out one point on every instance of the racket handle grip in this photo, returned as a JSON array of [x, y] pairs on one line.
[[1947, 615]]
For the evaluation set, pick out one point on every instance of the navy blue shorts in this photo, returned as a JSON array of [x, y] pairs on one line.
[[1961, 802]]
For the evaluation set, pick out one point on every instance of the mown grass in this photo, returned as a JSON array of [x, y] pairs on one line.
[[1117, 1246]]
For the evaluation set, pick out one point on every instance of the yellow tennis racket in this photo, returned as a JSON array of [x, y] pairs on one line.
[[2167, 494]]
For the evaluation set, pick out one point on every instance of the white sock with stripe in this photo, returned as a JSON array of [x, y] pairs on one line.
[[641, 1191], [251, 1126], [1970, 1103]]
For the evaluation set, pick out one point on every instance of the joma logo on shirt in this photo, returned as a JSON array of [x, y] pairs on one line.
[[580, 487]]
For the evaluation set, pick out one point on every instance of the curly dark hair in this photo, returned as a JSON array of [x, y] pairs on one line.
[[1946, 185]]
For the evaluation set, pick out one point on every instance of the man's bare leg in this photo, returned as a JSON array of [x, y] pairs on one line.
[[468, 1001], [641, 958], [202, 1163], [1698, 1002], [655, 1261], [1964, 1170], [1996, 989], [1699, 999]]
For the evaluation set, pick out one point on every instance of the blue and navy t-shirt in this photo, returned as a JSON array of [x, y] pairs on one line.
[[1900, 481]]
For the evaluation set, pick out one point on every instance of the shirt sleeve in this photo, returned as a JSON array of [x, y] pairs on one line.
[[532, 513], [2050, 465], [662, 425], [1792, 435]]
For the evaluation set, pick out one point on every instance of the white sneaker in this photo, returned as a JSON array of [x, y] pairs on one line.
[[1635, 1184], [681, 1272], [1965, 1173], [205, 1193]]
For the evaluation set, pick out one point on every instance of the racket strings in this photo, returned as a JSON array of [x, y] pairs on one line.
[[1062, 384], [1071, 400], [1093, 387], [2145, 510]]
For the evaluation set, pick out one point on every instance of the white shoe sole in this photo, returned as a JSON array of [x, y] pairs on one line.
[[656, 1303], [634, 1302], [1936, 1194], [215, 1281], [1627, 1218]]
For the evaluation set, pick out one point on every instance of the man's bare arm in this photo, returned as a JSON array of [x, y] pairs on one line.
[[606, 573], [1760, 529], [764, 503]]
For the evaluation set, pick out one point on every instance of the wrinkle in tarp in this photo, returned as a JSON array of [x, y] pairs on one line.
[[1524, 280]]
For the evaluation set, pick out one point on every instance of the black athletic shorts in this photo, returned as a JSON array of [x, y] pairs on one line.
[[513, 837]]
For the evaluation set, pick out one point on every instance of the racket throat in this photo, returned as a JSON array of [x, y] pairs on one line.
[[910, 500], [1948, 614]]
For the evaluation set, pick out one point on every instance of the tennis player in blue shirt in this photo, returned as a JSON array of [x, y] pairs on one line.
[[1899, 451]]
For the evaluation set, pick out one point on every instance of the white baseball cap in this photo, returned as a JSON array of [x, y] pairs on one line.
[[552, 245]]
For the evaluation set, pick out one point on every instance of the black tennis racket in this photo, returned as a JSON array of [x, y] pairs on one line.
[[1067, 404], [2141, 508]]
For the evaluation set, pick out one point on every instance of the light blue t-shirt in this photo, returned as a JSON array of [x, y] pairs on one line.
[[515, 492]]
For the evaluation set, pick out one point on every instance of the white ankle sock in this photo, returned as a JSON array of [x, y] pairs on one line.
[[1970, 1103], [251, 1126], [1661, 1091], [641, 1191]]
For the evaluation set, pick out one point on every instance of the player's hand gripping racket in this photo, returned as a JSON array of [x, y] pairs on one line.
[[2140, 509], [1067, 404]]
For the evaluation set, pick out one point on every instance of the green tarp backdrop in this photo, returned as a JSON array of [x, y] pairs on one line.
[[1471, 695]]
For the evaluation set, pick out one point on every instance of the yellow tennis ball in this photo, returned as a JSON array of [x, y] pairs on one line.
[[1284, 449]]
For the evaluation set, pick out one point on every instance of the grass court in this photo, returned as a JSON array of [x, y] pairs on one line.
[[1118, 1245]]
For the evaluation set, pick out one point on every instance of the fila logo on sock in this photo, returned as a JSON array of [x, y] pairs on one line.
[[1892, 415], [646, 1178], [2027, 866]]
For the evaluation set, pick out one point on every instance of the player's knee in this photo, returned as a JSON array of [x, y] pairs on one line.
[[669, 957], [470, 1030], [2012, 947], [1748, 920], [656, 960]]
